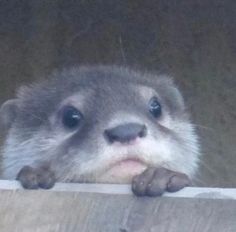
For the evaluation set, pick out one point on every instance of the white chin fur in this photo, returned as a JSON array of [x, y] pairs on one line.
[[119, 164]]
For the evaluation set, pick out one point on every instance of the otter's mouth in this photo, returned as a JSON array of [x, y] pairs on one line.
[[122, 171], [130, 163]]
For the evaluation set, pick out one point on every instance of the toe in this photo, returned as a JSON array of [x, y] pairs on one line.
[[140, 182], [158, 184], [177, 182], [28, 178], [46, 179]]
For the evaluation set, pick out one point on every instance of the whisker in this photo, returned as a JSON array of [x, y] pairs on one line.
[[34, 116], [207, 167], [122, 49], [203, 127], [198, 181]]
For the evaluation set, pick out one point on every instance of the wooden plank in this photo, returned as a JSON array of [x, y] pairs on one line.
[[190, 192], [72, 211]]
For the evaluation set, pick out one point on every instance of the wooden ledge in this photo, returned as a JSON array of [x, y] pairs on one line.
[[189, 192], [113, 208]]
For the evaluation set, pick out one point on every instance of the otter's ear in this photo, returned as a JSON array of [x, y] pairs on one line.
[[8, 112]]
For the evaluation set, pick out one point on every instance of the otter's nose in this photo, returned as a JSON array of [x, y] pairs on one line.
[[126, 132]]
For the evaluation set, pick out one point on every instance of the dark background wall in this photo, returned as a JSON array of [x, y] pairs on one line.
[[194, 40]]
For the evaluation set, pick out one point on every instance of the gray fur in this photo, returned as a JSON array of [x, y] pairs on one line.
[[107, 96]]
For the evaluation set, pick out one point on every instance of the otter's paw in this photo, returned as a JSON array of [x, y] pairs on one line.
[[155, 181], [34, 178]]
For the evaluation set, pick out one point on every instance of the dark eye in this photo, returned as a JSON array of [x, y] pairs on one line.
[[155, 107], [71, 117]]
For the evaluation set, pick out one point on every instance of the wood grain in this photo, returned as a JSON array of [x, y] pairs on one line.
[[50, 211]]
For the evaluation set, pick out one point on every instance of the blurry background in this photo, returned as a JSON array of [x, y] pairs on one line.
[[194, 40]]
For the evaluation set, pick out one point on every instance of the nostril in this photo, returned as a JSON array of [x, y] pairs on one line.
[[111, 138], [143, 132]]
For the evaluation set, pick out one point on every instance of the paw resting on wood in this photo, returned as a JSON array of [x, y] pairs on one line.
[[156, 181], [34, 178]]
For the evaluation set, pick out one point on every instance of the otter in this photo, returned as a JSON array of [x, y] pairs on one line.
[[100, 124]]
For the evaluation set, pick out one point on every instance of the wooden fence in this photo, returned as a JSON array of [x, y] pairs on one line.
[[113, 208]]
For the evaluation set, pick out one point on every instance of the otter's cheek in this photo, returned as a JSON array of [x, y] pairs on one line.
[[122, 172]]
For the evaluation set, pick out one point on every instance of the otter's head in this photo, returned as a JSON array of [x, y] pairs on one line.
[[99, 124]]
